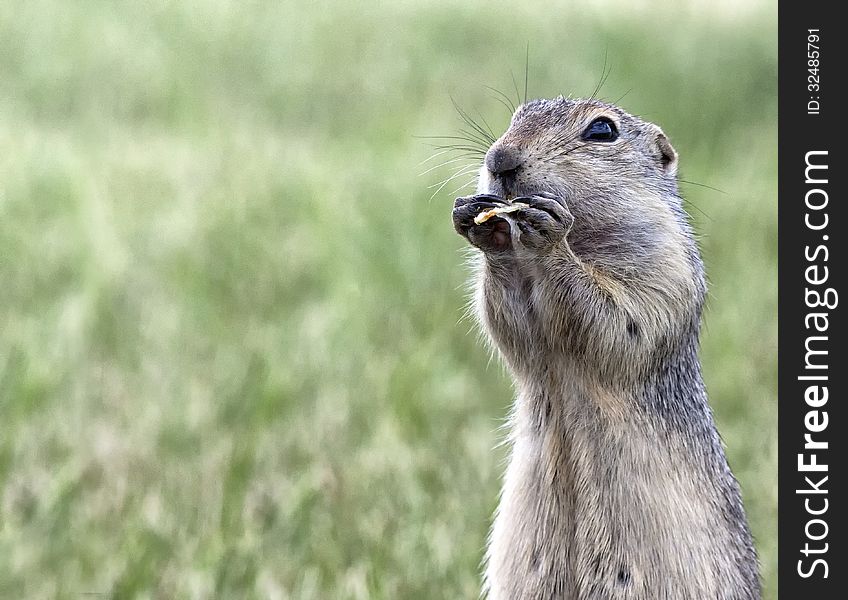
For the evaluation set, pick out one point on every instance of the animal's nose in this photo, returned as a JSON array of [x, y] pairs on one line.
[[503, 161]]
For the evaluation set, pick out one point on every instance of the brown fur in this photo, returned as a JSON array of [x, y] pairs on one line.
[[617, 487]]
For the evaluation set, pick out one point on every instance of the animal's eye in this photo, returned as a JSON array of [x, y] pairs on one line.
[[601, 130]]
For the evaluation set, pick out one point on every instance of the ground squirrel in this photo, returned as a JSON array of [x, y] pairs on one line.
[[617, 486]]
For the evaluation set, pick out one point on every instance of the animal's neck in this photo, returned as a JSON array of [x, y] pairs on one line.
[[608, 491]]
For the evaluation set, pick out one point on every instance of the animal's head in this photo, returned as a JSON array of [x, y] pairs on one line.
[[611, 168]]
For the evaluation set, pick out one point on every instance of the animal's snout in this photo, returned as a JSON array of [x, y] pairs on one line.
[[503, 161]]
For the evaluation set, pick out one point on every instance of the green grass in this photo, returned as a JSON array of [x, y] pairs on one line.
[[234, 362]]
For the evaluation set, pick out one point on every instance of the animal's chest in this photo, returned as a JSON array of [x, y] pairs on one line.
[[603, 514]]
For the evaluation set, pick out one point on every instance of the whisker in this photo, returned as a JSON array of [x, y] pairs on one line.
[[603, 78], [434, 155], [476, 151], [470, 182], [620, 98], [698, 208], [504, 104], [567, 151], [477, 144], [563, 138], [446, 181], [442, 164], [506, 101], [703, 185], [467, 136], [689, 202], [515, 85], [471, 122], [484, 142], [466, 170], [486, 123], [442, 137]]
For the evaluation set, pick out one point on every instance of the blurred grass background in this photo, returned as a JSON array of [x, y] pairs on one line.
[[233, 359]]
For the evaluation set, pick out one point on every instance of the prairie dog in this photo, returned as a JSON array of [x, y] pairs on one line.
[[617, 485]]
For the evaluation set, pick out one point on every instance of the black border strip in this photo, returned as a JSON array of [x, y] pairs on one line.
[[811, 326]]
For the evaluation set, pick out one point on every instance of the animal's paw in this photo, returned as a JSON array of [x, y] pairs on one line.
[[544, 222], [492, 235]]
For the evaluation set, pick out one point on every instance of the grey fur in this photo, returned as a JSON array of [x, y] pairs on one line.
[[617, 486]]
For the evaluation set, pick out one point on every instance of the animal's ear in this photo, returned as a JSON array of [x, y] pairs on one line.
[[666, 154]]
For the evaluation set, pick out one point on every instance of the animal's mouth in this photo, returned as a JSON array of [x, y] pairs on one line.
[[508, 196], [507, 189], [508, 186]]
